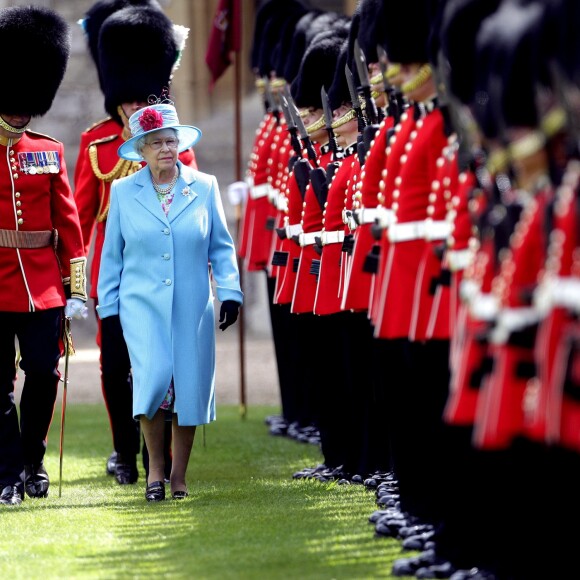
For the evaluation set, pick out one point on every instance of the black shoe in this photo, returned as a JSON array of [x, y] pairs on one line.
[[126, 470], [180, 494], [473, 574], [155, 491], [442, 570], [11, 495], [111, 462], [36, 480], [409, 566]]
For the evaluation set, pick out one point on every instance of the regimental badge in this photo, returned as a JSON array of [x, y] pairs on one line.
[[39, 162]]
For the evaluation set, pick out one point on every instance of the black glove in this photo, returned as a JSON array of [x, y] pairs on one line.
[[302, 175], [228, 313], [319, 185]]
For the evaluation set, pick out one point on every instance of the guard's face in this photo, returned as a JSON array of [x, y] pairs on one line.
[[347, 132], [17, 121], [160, 150], [133, 107]]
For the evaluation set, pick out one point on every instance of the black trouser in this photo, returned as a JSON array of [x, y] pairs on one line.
[[39, 338], [285, 348], [417, 389], [117, 388], [368, 442]]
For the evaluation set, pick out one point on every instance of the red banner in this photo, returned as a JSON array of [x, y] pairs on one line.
[[225, 37]]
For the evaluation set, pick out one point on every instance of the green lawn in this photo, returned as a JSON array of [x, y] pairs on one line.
[[245, 517]]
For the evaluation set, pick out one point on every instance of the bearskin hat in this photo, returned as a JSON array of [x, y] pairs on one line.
[[306, 29], [338, 92], [31, 33], [271, 36], [318, 66], [137, 52], [266, 11], [461, 22], [97, 14], [407, 28], [371, 31]]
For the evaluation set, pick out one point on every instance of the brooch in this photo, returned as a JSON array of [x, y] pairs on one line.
[[185, 191]]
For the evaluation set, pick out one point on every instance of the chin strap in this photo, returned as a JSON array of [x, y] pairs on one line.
[[10, 128]]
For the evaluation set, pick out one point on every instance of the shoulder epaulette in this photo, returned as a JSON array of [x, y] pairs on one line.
[[103, 140], [97, 124], [37, 134]]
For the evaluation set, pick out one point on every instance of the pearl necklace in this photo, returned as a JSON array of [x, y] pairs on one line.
[[163, 190]]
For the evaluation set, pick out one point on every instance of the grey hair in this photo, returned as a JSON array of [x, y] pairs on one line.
[[140, 143]]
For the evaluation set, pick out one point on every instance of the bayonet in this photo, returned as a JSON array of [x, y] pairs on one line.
[[393, 108], [363, 75], [328, 122], [304, 137], [354, 98], [292, 129], [274, 106], [383, 64]]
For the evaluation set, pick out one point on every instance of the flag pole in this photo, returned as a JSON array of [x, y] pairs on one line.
[[238, 168]]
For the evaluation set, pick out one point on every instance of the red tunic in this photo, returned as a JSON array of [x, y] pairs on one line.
[[553, 414], [358, 281], [260, 235], [468, 352], [33, 278], [500, 408], [406, 285], [256, 174], [306, 282], [279, 203], [393, 153], [328, 298], [284, 291]]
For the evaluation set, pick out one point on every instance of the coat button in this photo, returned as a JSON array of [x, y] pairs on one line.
[[166, 231], [166, 256], [20, 221], [167, 282]]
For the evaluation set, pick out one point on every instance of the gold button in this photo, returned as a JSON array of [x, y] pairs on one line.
[[17, 194], [15, 175], [19, 212], [18, 203], [20, 221]]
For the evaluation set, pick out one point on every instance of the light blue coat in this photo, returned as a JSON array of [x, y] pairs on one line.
[[154, 273]]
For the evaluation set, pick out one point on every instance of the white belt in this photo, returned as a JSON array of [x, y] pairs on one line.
[[334, 237], [282, 203], [385, 217], [293, 230], [563, 292], [273, 195], [423, 230], [484, 307], [307, 239], [366, 215], [459, 259], [259, 191], [513, 319], [249, 181], [348, 219]]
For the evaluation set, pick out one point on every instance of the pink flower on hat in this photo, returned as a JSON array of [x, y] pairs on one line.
[[150, 119]]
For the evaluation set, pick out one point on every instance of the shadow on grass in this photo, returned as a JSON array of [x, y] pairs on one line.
[[246, 518]]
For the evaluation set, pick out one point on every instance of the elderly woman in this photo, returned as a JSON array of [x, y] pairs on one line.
[[166, 240]]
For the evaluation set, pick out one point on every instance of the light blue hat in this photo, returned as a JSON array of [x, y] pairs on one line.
[[155, 118]]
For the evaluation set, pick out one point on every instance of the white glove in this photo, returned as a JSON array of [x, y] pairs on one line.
[[75, 308]]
